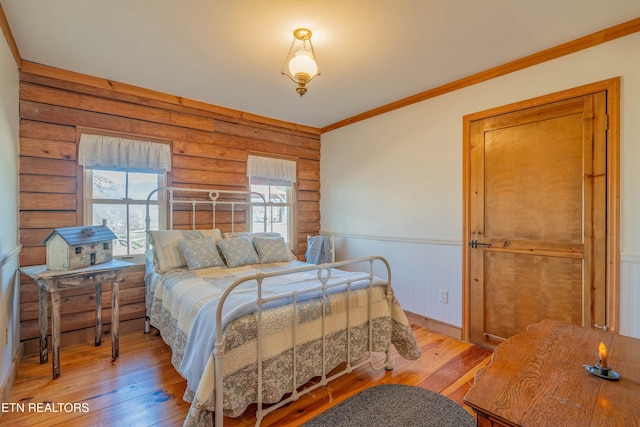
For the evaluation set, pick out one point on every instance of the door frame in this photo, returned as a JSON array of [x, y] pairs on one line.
[[612, 286]]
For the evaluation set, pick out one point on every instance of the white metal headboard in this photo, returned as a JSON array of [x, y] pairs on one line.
[[199, 198]]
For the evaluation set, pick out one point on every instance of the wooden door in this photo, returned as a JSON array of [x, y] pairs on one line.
[[538, 217]]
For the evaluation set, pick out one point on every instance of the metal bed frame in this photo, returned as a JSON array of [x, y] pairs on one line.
[[323, 275]]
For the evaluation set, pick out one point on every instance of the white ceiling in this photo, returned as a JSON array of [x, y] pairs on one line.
[[230, 52]]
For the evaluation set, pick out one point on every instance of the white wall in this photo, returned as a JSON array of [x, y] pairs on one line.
[[393, 183], [9, 294]]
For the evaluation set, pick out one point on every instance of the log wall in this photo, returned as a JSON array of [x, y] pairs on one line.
[[210, 146]]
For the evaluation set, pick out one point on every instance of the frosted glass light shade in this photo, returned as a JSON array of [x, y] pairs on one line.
[[303, 63]]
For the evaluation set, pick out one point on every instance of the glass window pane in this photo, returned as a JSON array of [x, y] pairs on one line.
[[137, 234], [262, 189], [109, 184], [278, 221], [278, 194], [258, 216], [116, 220], [153, 216], [141, 184]]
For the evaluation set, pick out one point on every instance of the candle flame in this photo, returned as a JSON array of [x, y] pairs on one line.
[[602, 349], [602, 352]]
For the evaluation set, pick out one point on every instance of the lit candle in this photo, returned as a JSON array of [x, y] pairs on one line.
[[602, 354]]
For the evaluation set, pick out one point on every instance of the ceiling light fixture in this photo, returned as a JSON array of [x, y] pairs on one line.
[[302, 66]]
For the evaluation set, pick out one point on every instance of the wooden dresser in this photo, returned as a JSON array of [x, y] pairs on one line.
[[538, 378]]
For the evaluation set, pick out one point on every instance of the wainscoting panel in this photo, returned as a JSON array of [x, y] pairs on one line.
[[10, 349], [420, 269], [629, 293]]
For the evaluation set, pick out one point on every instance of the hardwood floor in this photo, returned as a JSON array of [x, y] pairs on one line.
[[141, 388]]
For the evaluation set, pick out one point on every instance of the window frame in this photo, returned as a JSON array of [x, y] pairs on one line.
[[89, 201]]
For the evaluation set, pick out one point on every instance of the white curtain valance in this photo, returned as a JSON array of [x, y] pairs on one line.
[[113, 153], [267, 170]]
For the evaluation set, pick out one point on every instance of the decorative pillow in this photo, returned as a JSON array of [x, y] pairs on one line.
[[238, 251], [272, 249], [166, 252], [201, 253]]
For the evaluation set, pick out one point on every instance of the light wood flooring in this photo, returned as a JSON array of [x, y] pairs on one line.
[[141, 388]]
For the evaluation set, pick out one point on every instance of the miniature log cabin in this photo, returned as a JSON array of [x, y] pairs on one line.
[[78, 247]]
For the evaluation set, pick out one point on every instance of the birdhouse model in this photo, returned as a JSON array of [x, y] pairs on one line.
[[78, 247]]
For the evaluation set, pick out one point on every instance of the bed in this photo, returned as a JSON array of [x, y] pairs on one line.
[[249, 323]]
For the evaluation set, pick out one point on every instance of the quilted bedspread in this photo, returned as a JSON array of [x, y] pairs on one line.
[[182, 305]]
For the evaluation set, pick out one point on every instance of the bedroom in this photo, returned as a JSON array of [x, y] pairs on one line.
[[435, 237]]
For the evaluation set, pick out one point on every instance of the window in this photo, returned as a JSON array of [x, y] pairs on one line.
[[274, 179], [119, 174], [118, 200], [277, 215]]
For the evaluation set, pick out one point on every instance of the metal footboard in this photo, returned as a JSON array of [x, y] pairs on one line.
[[323, 275]]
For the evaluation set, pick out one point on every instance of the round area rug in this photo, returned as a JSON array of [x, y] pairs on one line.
[[395, 405]]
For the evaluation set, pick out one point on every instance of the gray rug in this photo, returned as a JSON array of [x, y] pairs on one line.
[[395, 405]]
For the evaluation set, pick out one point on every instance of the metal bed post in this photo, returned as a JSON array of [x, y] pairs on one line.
[[388, 364], [259, 278], [324, 279], [147, 222]]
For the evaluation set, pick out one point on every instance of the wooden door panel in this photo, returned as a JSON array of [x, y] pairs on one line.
[[533, 181], [521, 289]]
